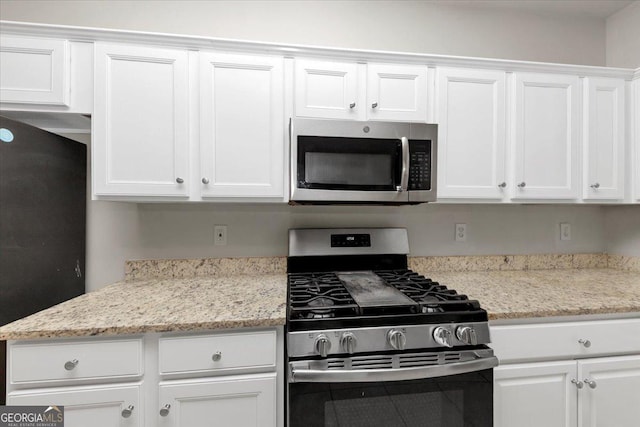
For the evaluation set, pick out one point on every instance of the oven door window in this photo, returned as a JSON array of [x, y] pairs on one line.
[[364, 164], [464, 400]]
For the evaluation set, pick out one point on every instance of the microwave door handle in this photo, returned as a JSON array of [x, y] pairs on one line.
[[404, 179]]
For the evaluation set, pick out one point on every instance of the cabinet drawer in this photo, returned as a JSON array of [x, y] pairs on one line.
[[561, 340], [213, 353], [56, 361]]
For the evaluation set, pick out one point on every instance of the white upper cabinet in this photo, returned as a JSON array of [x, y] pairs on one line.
[[546, 131], [140, 123], [396, 92], [635, 122], [327, 90], [347, 90], [470, 112], [604, 138], [34, 70], [242, 126]]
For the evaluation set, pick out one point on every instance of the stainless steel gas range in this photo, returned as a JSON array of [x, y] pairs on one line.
[[371, 343]]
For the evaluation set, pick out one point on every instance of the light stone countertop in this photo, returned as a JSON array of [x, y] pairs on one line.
[[543, 293], [161, 305], [255, 300]]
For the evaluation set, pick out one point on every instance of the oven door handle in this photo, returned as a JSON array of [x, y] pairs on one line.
[[301, 375], [404, 179]]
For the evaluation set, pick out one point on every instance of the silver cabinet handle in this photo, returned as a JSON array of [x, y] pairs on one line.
[[179, 180], [502, 185], [352, 105], [216, 356], [577, 383], [522, 184], [585, 343], [126, 412], [374, 105], [595, 186], [591, 383], [165, 410], [71, 364], [205, 180]]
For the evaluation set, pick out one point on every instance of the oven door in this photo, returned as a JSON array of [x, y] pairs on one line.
[[452, 395]]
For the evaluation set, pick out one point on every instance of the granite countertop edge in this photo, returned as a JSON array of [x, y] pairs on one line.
[[211, 303]]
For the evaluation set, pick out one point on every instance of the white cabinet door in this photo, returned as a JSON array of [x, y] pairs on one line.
[[397, 92], [535, 395], [238, 401], [546, 136], [604, 138], [636, 132], [34, 71], [328, 90], [95, 406], [242, 127], [611, 394], [470, 112], [140, 122]]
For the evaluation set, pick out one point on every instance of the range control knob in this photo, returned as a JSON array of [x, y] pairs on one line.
[[442, 336], [396, 339], [322, 345], [467, 335], [348, 342]]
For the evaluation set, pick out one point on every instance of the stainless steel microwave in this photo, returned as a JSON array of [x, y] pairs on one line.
[[340, 161]]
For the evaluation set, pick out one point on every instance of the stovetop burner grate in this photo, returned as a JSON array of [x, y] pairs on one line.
[[323, 296]]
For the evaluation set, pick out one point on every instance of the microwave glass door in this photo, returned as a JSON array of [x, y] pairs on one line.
[[464, 400], [364, 164]]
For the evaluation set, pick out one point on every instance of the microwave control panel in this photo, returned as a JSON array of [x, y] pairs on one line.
[[419, 165]]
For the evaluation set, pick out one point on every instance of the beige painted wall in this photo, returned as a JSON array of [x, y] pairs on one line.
[[411, 26], [622, 230], [623, 37]]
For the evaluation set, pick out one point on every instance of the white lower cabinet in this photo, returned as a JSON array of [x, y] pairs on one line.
[[574, 390], [95, 406], [239, 401], [213, 379]]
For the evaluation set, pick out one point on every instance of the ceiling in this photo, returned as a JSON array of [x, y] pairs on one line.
[[600, 9]]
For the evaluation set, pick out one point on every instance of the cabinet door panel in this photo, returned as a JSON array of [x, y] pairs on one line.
[[88, 406], [535, 395], [242, 126], [546, 130], [327, 90], [615, 400], [636, 132], [241, 401], [34, 71], [397, 92], [471, 132], [604, 138], [140, 144]]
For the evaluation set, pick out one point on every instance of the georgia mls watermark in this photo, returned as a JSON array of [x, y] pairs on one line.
[[31, 416]]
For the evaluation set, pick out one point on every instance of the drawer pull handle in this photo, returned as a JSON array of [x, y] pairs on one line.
[[502, 185], [577, 383], [71, 364], [374, 105], [591, 383], [352, 105], [522, 184], [165, 410], [179, 180], [585, 343], [216, 356], [126, 413]]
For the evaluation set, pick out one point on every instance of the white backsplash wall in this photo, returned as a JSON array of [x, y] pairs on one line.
[[622, 230], [186, 231]]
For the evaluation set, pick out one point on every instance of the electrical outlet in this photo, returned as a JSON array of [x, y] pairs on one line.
[[565, 231], [461, 232], [220, 235]]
